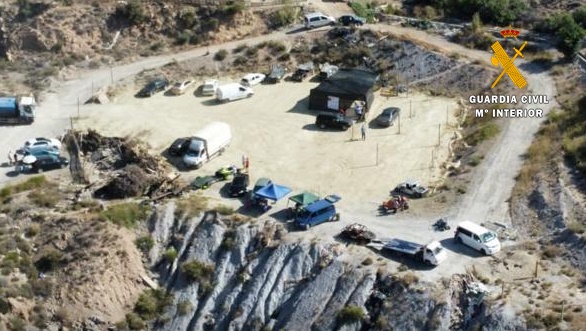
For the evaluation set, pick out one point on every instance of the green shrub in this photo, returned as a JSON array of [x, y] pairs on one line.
[[191, 206], [233, 7], [224, 210], [362, 10], [580, 16], [50, 261], [134, 322], [221, 55], [125, 214], [484, 132], [229, 240], [5, 192], [197, 271], [240, 48], [184, 307], [44, 198], [31, 184], [133, 11], [284, 16], [170, 254], [145, 243], [152, 303], [351, 314]]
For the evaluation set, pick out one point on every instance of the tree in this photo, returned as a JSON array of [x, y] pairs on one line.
[[580, 16], [570, 34]]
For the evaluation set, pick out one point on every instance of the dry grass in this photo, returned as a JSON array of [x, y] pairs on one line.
[[191, 206]]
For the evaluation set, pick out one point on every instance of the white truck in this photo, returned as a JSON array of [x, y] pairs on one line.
[[233, 91], [210, 141], [432, 253]]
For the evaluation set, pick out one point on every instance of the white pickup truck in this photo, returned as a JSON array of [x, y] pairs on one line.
[[432, 253]]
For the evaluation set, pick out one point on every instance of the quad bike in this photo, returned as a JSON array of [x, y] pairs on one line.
[[394, 204], [358, 232], [441, 225]]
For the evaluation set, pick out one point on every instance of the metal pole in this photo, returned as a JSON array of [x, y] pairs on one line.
[[409, 108], [377, 154], [536, 266]]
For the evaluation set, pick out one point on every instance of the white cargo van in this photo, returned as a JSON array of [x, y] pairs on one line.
[[233, 91], [210, 141], [477, 237]]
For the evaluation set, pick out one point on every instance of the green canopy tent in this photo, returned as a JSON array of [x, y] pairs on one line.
[[304, 198]]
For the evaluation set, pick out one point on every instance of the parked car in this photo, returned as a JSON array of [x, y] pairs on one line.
[[260, 183], [347, 20], [388, 116], [477, 237], [209, 87], [314, 20], [233, 91], [239, 185], [40, 151], [48, 162], [332, 120], [411, 188], [153, 87], [180, 87], [36, 143], [302, 71], [276, 74], [179, 146], [252, 79], [316, 213]]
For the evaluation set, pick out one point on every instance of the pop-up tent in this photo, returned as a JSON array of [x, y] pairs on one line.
[[304, 198], [273, 192]]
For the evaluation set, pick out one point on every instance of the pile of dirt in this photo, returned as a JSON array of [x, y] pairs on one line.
[[127, 166]]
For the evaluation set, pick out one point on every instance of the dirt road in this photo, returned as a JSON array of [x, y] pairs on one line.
[[486, 198]]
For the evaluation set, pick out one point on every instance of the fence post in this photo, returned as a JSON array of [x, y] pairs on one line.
[[536, 267], [562, 319]]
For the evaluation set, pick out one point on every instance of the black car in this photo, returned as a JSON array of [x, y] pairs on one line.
[[154, 87], [48, 162], [388, 116], [332, 120], [179, 146], [351, 20], [239, 185]]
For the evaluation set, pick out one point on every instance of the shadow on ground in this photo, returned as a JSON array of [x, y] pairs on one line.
[[451, 245]]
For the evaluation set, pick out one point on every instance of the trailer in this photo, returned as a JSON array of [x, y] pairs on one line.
[[19, 110], [432, 253]]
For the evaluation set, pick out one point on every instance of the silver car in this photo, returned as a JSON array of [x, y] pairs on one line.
[[388, 116]]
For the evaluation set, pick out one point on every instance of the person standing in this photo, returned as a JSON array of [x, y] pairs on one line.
[[10, 158], [363, 131]]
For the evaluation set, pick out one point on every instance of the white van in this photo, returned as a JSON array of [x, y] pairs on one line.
[[209, 87], [315, 20], [477, 237], [233, 91], [210, 141]]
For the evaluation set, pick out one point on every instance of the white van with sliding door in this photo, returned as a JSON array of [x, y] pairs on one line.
[[477, 237]]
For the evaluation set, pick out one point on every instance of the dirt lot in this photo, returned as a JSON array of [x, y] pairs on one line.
[[278, 135]]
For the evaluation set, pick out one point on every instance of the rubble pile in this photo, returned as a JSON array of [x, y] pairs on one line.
[[126, 167]]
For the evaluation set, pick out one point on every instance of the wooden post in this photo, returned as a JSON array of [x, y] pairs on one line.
[[399, 123], [439, 133], [111, 75], [562, 319], [410, 109], [536, 267]]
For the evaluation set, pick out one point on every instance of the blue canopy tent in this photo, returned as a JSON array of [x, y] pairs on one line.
[[273, 192]]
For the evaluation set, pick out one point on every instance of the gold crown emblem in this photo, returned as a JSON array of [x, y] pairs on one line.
[[510, 33]]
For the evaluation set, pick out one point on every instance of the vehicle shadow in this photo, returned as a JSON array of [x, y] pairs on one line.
[[297, 30], [198, 92], [405, 260], [12, 173], [452, 245], [313, 127], [211, 102], [301, 107], [175, 161], [283, 215]]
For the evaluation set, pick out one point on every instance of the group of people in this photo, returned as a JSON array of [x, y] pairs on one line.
[[360, 111]]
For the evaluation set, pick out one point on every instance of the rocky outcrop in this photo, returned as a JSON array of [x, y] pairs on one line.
[[261, 282]]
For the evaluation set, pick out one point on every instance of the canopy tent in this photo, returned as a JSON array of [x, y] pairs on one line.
[[273, 192], [342, 89], [304, 198]]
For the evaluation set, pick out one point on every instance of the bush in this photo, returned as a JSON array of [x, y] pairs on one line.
[[234, 7], [44, 198], [362, 10], [580, 16], [367, 261], [484, 132], [50, 261], [570, 35], [191, 206], [31, 184], [551, 251], [284, 16], [350, 314], [184, 307], [229, 240], [134, 322], [145, 243], [170, 254], [224, 210], [133, 12], [196, 271], [221, 55], [124, 214], [240, 48], [152, 303]]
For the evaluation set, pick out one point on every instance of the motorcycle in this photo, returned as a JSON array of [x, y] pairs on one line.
[[441, 225]]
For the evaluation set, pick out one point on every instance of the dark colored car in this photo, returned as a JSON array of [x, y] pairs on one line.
[[332, 120], [239, 185], [351, 20], [179, 146], [154, 87], [276, 74], [388, 116], [49, 162], [260, 183]]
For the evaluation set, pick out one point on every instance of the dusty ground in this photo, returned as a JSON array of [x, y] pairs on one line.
[[278, 135]]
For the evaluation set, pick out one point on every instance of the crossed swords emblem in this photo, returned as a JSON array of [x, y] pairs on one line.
[[501, 57]]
